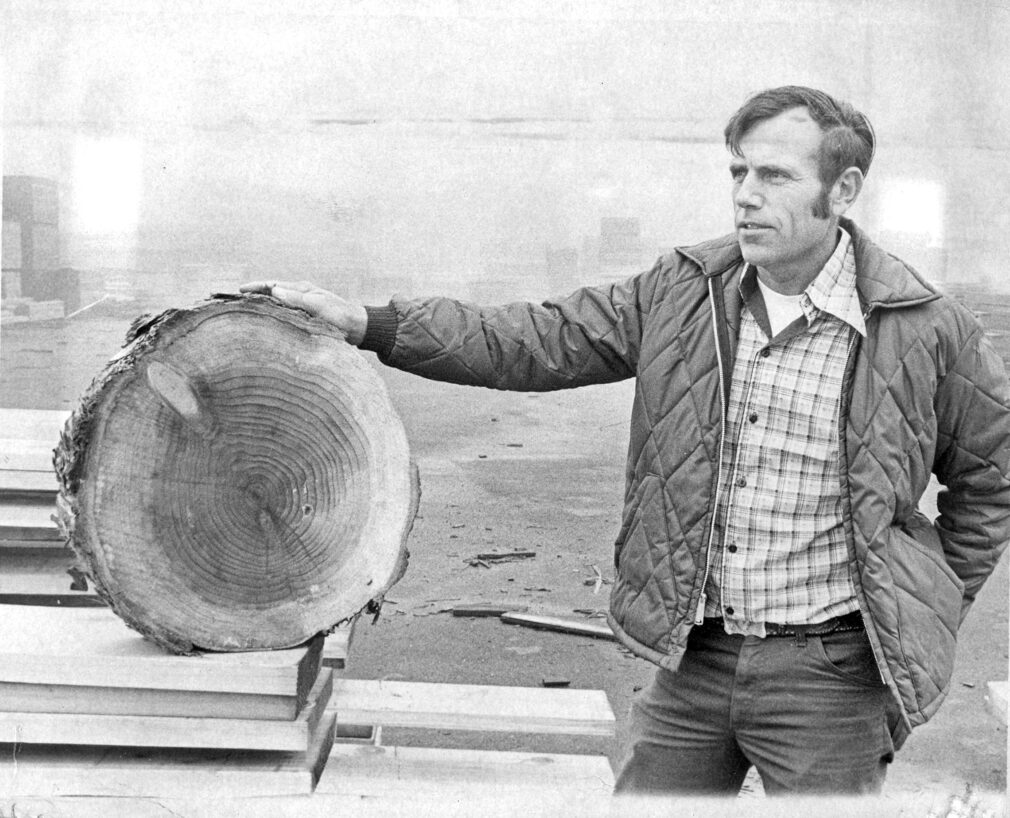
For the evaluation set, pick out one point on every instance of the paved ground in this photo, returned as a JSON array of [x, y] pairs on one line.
[[545, 473]]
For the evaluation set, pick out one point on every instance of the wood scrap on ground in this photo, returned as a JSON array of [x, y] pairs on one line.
[[555, 623]]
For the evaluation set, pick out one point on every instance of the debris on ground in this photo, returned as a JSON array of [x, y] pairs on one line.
[[488, 609], [554, 681], [597, 580], [485, 559], [591, 613]]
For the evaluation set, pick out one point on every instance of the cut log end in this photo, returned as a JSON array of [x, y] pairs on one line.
[[236, 479]]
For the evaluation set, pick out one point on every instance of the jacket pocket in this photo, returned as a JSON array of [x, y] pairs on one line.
[[922, 628]]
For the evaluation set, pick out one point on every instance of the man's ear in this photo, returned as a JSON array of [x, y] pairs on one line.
[[845, 190]]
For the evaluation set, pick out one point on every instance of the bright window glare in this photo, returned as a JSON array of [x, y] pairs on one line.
[[107, 184], [913, 206]]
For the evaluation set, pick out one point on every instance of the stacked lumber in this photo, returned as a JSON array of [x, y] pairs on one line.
[[93, 714], [83, 698], [36, 567]]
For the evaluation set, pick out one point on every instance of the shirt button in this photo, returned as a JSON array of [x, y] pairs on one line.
[[753, 418], [765, 352], [741, 481], [729, 610], [731, 548]]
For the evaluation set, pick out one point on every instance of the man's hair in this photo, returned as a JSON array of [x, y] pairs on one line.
[[848, 139]]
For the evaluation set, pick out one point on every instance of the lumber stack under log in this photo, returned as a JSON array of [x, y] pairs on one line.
[[236, 479]]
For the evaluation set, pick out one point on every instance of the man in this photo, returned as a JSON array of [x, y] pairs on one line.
[[796, 387]]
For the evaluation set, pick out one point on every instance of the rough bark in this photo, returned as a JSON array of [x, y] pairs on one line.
[[236, 479]]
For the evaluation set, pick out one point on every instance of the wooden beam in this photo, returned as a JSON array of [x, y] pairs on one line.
[[171, 731], [472, 707], [93, 647]]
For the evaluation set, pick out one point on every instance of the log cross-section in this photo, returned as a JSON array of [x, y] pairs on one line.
[[236, 478]]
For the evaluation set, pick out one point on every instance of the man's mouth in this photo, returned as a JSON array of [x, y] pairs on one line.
[[751, 226]]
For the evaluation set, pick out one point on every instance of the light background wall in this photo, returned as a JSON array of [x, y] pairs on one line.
[[445, 146]]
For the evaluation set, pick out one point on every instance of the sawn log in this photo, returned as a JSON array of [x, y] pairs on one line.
[[236, 478]]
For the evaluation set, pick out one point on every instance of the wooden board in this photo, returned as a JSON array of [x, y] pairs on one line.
[[385, 772], [338, 644], [80, 700], [51, 772], [554, 623], [19, 455], [93, 647], [28, 519], [472, 707], [37, 571], [40, 425], [171, 731], [27, 482]]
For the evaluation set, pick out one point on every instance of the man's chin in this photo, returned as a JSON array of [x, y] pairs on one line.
[[751, 254]]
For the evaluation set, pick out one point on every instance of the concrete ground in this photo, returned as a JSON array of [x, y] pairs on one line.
[[503, 471]]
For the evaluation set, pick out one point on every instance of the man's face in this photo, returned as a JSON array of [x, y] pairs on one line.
[[779, 203]]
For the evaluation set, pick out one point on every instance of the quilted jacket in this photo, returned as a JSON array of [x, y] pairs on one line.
[[924, 392]]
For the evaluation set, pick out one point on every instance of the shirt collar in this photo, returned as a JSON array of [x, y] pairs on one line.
[[832, 291]]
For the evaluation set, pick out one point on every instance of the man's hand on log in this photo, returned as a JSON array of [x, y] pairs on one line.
[[347, 316]]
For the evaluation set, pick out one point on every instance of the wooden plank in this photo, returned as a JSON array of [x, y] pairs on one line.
[[996, 700], [17, 697], [554, 623], [33, 424], [71, 600], [66, 771], [169, 731], [389, 772], [17, 482], [28, 519], [472, 707], [18, 455], [8, 545], [93, 647], [37, 571]]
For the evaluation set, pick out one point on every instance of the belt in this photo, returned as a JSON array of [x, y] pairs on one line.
[[847, 622]]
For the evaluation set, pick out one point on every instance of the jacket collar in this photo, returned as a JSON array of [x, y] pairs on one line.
[[881, 279]]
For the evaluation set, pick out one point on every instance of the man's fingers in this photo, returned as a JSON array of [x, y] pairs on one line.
[[263, 287], [270, 287]]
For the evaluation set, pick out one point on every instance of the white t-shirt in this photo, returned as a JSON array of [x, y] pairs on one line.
[[782, 309]]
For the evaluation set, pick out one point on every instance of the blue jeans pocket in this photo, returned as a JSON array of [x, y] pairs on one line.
[[848, 654]]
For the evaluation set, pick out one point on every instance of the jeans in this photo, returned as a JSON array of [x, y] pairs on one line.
[[810, 713]]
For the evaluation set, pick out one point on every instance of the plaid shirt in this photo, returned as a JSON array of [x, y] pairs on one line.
[[780, 553]]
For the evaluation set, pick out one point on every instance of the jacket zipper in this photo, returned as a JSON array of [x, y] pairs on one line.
[[699, 614]]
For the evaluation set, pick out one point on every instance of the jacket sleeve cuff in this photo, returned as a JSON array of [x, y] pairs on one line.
[[380, 331]]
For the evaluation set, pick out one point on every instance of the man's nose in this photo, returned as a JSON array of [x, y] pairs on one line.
[[746, 193]]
